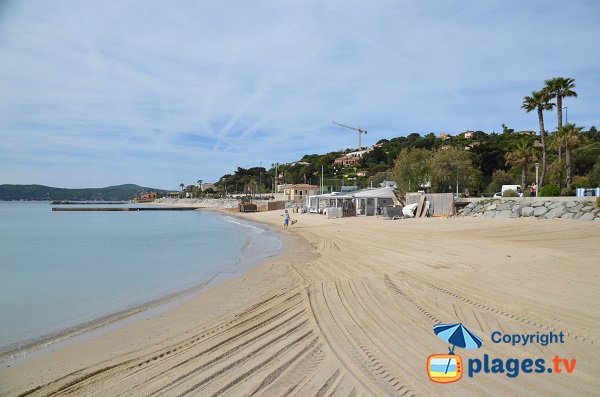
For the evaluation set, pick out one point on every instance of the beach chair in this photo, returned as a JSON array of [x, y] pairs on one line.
[[392, 213]]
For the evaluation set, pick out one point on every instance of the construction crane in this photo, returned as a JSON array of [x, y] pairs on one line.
[[360, 132]]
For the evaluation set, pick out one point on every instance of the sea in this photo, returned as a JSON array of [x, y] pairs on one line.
[[64, 273]]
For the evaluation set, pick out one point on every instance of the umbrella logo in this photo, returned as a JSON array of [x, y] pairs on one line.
[[447, 368]]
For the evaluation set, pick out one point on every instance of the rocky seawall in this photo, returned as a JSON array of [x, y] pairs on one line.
[[506, 208]]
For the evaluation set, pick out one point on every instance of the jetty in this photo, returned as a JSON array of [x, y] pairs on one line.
[[125, 208]]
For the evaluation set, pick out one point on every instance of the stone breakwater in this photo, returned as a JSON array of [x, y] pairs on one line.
[[502, 209], [200, 202]]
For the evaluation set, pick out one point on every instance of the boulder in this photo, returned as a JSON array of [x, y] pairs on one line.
[[516, 209], [555, 212], [567, 215], [575, 208], [491, 207], [537, 204], [586, 217], [577, 215], [489, 214], [505, 206], [539, 211], [527, 211], [504, 214], [571, 204], [587, 208]]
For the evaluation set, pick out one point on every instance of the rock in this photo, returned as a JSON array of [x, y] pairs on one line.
[[571, 204], [527, 211], [539, 211], [492, 207], [587, 208], [567, 215], [505, 206], [575, 209], [504, 214], [577, 215], [552, 206], [516, 209], [489, 214], [537, 204], [466, 211], [586, 217], [555, 213]]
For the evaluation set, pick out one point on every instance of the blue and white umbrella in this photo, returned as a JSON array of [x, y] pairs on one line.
[[457, 335]]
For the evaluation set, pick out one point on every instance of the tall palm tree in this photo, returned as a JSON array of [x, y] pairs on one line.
[[559, 88], [199, 182], [181, 185], [523, 154], [569, 136], [540, 101]]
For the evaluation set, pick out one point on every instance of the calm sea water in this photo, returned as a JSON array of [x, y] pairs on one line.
[[59, 270]]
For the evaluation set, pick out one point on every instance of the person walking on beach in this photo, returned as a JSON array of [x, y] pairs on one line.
[[286, 219]]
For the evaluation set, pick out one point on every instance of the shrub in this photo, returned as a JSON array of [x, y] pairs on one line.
[[580, 181], [550, 190], [510, 193], [567, 192]]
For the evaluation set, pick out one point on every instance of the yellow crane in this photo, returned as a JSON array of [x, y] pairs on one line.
[[360, 132]]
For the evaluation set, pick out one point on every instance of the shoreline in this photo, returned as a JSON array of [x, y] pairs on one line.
[[22, 351], [348, 307]]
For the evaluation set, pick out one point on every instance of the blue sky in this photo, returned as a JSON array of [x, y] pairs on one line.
[[97, 93]]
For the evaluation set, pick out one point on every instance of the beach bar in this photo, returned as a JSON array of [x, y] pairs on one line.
[[370, 202], [319, 203]]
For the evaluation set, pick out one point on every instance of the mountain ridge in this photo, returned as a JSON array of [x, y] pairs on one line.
[[35, 192]]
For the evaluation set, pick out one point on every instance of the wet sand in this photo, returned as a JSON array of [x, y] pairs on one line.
[[348, 309]]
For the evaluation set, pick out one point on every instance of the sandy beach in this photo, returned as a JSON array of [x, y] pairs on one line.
[[348, 309]]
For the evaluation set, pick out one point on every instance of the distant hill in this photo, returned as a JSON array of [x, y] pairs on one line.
[[41, 192]]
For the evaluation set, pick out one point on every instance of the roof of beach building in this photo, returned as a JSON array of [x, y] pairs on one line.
[[301, 185]]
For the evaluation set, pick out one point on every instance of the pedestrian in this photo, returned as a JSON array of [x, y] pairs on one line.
[[286, 219], [534, 190]]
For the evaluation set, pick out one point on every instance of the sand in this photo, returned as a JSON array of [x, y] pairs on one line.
[[348, 309]]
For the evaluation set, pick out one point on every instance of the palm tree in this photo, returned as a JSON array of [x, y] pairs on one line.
[[181, 185], [559, 88], [199, 182], [523, 154], [569, 136], [539, 100]]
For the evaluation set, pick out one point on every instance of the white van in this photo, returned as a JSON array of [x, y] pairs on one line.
[[516, 188]]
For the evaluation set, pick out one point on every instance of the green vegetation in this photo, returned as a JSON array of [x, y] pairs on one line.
[[550, 190], [510, 193], [40, 192]]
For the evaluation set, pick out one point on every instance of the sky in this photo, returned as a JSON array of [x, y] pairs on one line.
[[158, 93]]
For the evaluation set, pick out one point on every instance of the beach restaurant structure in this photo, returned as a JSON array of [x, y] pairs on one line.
[[366, 202]]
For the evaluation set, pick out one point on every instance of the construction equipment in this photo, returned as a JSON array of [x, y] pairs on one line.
[[360, 132], [246, 204]]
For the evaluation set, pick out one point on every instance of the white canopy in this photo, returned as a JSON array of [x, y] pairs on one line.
[[384, 192]]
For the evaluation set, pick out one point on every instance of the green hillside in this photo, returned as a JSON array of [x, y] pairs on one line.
[[41, 192]]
